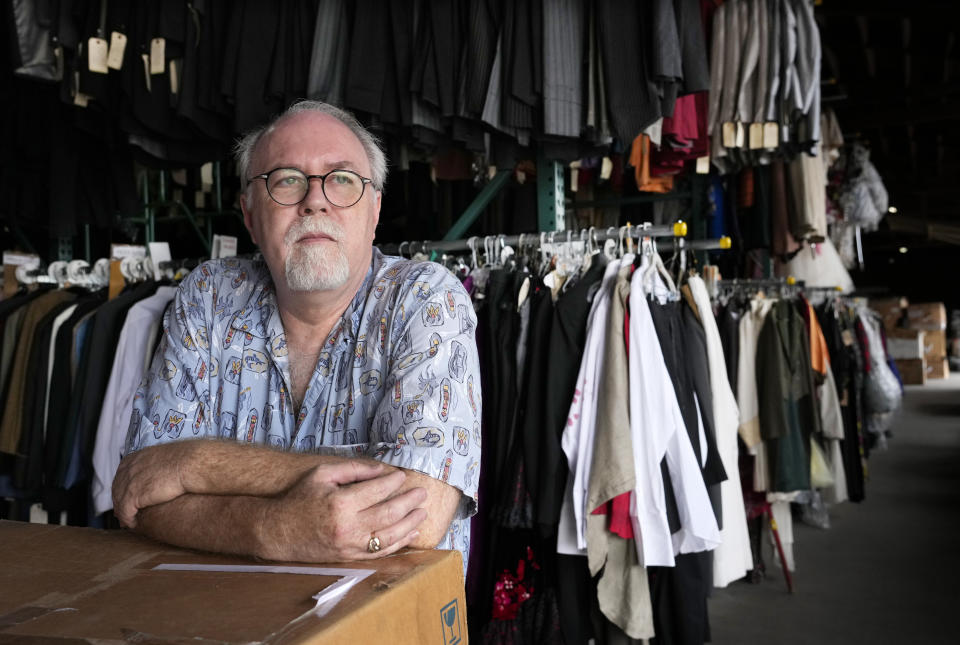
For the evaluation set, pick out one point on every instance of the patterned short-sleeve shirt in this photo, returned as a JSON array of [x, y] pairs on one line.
[[398, 379]]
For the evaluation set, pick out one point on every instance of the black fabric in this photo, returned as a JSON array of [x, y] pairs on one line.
[[728, 324], [568, 334], [679, 599], [28, 468], [696, 72], [633, 102], [93, 373]]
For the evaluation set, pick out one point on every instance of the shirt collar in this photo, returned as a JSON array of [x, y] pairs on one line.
[[260, 315]]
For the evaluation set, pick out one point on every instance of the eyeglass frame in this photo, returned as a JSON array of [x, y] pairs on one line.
[[323, 180]]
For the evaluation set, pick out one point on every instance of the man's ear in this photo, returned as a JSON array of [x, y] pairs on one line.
[[248, 217], [376, 212]]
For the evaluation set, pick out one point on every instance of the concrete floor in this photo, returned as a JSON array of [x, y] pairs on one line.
[[888, 569]]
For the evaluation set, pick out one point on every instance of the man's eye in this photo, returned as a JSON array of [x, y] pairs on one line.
[[343, 180]]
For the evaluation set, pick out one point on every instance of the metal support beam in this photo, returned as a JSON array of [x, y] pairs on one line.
[[477, 206], [550, 206]]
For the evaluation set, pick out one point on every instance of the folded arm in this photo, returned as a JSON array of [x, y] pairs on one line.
[[251, 500]]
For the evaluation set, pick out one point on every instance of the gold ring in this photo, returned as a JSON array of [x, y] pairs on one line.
[[374, 544]]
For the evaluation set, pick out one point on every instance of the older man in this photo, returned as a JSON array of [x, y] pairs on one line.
[[334, 393]]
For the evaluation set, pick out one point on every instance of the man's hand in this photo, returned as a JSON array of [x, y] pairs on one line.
[[332, 512], [148, 477]]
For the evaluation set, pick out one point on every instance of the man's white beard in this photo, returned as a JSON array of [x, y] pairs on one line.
[[318, 266]]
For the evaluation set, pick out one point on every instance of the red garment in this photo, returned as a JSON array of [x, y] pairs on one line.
[[684, 136]]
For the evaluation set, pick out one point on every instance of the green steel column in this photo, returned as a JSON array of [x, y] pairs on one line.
[[550, 208]]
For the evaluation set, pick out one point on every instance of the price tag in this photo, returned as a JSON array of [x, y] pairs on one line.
[[118, 45], [771, 135], [97, 55], [121, 251], [159, 252], [741, 135], [158, 61], [200, 199], [228, 246], [756, 136], [20, 259], [206, 175], [606, 168], [703, 165], [729, 134]]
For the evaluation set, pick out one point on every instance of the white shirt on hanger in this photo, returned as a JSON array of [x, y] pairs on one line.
[[658, 431], [118, 400]]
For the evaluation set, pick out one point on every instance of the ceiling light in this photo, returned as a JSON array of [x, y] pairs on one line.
[[903, 249], [892, 209]]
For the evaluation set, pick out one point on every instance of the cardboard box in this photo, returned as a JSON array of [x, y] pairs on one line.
[[934, 344], [913, 371], [61, 583], [906, 343], [927, 315], [938, 368], [889, 309]]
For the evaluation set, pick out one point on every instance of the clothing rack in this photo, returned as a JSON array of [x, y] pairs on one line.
[[675, 230]]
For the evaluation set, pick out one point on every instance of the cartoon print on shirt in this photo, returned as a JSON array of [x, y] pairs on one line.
[[399, 318], [185, 390], [412, 411], [445, 396], [187, 340], [447, 464], [434, 345], [461, 440], [451, 303], [466, 324], [279, 346], [228, 429], [201, 339], [359, 352], [267, 421], [276, 441], [458, 361], [369, 382], [234, 367], [433, 314], [428, 437], [470, 395], [401, 442], [252, 419], [173, 423], [168, 371], [307, 443], [421, 290]]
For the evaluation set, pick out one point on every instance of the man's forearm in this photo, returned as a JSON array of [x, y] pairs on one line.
[[220, 524]]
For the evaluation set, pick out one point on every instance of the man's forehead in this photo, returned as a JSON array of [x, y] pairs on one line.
[[312, 135]]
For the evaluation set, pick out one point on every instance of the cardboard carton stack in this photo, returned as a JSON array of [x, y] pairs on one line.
[[916, 337]]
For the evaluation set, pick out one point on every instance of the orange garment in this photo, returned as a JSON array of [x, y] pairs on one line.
[[640, 160], [819, 355]]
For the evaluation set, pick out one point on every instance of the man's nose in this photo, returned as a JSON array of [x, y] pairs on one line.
[[314, 201]]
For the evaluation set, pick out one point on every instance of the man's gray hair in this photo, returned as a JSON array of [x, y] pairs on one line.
[[243, 151]]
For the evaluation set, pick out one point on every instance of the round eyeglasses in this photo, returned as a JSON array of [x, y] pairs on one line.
[[289, 186]]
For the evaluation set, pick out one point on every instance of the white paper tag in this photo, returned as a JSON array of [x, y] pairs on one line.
[[703, 165], [729, 134], [756, 136], [200, 199], [606, 168], [771, 135], [741, 135], [118, 44], [121, 251], [174, 77], [158, 61], [225, 246], [20, 259], [159, 252], [206, 175], [97, 55]]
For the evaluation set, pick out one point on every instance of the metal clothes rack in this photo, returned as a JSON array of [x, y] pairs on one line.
[[676, 230]]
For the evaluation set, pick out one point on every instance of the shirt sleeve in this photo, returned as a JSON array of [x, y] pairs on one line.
[[172, 402], [429, 420]]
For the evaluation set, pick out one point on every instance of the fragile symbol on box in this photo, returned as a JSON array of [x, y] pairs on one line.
[[450, 623]]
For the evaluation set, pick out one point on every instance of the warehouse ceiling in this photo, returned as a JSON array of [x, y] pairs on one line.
[[891, 71]]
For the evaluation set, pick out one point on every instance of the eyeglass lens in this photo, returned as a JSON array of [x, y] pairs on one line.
[[288, 186]]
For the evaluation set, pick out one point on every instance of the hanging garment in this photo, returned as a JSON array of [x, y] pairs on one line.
[[658, 432], [732, 559], [787, 413], [125, 375]]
